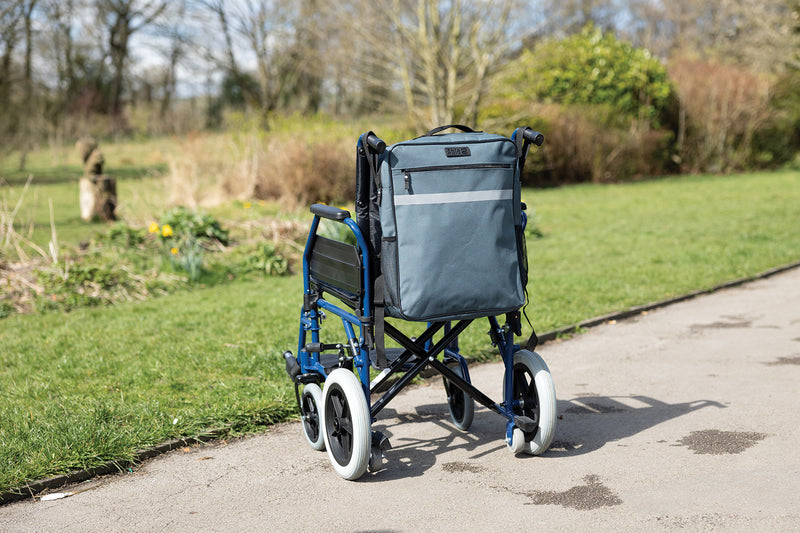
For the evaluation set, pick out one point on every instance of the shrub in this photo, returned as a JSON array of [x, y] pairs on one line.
[[588, 143], [723, 109], [195, 224], [584, 145], [596, 69], [121, 234], [599, 102], [295, 169], [265, 260], [778, 140], [315, 172]]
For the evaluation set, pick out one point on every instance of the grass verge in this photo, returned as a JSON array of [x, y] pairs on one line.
[[95, 385]]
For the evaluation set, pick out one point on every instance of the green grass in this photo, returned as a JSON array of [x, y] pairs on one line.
[[136, 167], [94, 385], [609, 248], [125, 160], [97, 384]]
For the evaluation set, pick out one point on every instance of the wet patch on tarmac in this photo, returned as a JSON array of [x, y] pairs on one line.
[[722, 325], [781, 361], [701, 522], [563, 446], [433, 409], [461, 466], [716, 442], [590, 408], [593, 495]]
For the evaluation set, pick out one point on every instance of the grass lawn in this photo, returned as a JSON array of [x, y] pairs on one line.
[[609, 248], [97, 384], [80, 389], [136, 167]]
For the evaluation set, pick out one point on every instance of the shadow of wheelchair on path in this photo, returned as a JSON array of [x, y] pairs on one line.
[[586, 424]]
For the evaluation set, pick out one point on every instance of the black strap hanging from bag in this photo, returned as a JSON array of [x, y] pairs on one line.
[[368, 190]]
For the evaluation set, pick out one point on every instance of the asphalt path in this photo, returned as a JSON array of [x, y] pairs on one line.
[[682, 418]]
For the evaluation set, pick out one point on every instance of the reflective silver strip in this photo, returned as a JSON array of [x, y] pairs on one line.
[[454, 197]]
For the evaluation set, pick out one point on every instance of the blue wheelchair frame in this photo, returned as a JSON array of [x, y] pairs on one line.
[[426, 351], [351, 265]]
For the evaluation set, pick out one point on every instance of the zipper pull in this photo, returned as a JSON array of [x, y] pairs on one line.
[[407, 179]]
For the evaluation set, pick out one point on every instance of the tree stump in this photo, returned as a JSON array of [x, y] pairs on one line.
[[98, 196], [98, 192]]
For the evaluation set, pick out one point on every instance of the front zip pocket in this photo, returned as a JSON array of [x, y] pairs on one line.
[[407, 172]]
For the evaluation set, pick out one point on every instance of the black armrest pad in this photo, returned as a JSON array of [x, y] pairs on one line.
[[328, 211]]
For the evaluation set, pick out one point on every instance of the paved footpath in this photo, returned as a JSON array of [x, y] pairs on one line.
[[684, 418]]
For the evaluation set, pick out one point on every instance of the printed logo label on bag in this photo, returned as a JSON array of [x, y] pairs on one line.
[[457, 151]]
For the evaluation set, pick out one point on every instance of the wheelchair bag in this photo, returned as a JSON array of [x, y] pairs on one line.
[[449, 236]]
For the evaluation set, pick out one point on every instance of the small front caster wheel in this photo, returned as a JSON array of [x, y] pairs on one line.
[[346, 424], [310, 406], [536, 397]]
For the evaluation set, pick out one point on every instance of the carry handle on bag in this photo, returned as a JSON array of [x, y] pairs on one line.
[[465, 129]]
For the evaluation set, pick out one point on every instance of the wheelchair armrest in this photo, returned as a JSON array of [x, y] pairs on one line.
[[328, 211]]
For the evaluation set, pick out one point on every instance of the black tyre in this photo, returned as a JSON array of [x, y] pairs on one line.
[[461, 404], [310, 410], [346, 424]]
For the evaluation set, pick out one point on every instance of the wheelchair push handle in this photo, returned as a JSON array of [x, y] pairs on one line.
[[533, 136], [376, 143]]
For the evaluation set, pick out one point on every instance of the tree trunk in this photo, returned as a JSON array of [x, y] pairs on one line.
[[98, 192], [98, 198]]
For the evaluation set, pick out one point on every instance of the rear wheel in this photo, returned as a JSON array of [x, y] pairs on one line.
[[346, 424], [461, 404], [535, 393], [310, 406]]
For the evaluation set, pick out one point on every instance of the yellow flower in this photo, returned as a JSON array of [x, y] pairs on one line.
[[247, 205], [166, 231], [173, 251], [153, 227]]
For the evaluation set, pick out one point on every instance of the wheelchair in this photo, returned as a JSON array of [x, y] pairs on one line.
[[343, 374]]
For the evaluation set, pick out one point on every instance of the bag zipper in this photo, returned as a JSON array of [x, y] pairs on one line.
[[407, 171], [458, 167]]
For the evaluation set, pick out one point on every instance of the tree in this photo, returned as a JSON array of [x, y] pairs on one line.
[[280, 38], [11, 15], [766, 33], [567, 17], [761, 34], [123, 18], [441, 55], [59, 15], [16, 80]]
